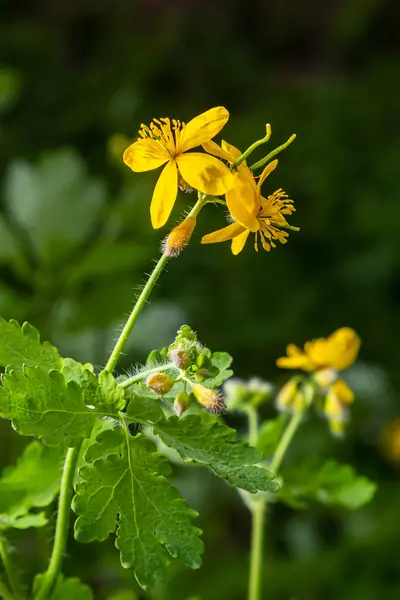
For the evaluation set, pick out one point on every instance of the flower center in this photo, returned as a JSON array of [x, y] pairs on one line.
[[271, 219], [166, 134]]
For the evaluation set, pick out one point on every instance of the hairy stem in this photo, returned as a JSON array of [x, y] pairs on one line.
[[141, 301], [11, 572], [137, 309], [144, 374], [63, 517]]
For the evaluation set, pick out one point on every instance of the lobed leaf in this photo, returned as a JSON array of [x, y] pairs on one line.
[[124, 486], [66, 589], [47, 406], [214, 444], [333, 484], [33, 482], [21, 345]]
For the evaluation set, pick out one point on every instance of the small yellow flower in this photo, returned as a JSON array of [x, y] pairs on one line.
[[337, 352], [168, 142], [252, 212], [337, 400]]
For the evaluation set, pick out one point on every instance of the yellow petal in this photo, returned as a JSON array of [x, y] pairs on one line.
[[202, 128], [164, 195], [342, 391], [243, 201], [224, 234], [343, 346], [231, 150], [205, 173], [145, 155], [268, 169], [295, 362], [213, 148], [239, 241]]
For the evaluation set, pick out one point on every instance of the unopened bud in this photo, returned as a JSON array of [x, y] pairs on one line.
[[286, 398], [181, 403], [336, 412], [212, 400], [325, 377], [179, 237], [181, 357], [160, 383]]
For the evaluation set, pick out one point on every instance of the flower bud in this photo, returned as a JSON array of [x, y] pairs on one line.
[[179, 237], [212, 400], [336, 412], [285, 400], [325, 377], [181, 357], [181, 403], [160, 383]]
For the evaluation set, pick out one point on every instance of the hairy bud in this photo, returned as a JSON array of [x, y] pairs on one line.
[[181, 357], [179, 237], [160, 383], [212, 400], [181, 403], [286, 398]]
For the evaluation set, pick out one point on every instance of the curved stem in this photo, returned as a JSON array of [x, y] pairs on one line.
[[285, 440], [11, 572], [137, 309], [141, 301], [62, 526], [144, 374], [277, 150], [5, 592], [257, 542]]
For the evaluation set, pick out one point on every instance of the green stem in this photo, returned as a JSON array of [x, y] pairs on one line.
[[5, 592], [62, 526], [251, 148], [144, 374], [277, 150], [285, 440], [253, 425], [256, 556], [141, 301], [137, 309], [10, 570]]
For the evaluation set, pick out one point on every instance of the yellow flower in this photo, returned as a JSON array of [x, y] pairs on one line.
[[337, 352], [250, 211], [337, 400], [168, 142]]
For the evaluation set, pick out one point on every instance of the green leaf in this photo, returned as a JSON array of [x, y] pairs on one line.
[[144, 405], [221, 360], [55, 201], [101, 391], [212, 443], [66, 589], [33, 482], [9, 249], [270, 434], [46, 405], [21, 345], [333, 484], [124, 487]]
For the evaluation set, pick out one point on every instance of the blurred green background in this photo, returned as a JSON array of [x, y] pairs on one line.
[[76, 80]]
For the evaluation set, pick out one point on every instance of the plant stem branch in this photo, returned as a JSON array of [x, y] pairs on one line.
[[253, 425], [62, 526], [257, 542], [285, 440], [11, 571], [144, 374], [273, 153], [137, 309]]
